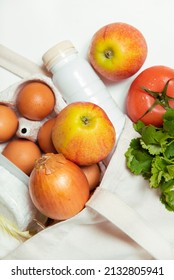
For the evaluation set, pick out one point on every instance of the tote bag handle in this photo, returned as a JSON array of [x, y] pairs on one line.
[[17, 64], [130, 222]]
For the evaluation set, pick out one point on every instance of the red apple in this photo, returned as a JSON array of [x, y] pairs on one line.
[[83, 133], [117, 51]]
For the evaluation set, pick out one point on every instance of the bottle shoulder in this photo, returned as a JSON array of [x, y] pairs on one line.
[[73, 62]]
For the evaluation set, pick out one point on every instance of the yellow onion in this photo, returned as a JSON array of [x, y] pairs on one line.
[[58, 187]]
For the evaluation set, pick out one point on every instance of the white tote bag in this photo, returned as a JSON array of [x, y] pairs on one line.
[[123, 219]]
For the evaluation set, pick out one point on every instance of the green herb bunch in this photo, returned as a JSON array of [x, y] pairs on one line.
[[152, 156]]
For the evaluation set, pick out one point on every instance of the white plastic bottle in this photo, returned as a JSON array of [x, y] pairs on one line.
[[77, 81]]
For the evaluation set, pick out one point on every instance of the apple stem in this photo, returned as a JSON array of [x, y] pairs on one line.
[[85, 120], [108, 53]]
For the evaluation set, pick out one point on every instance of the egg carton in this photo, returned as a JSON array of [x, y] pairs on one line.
[[16, 206], [28, 129], [15, 202]]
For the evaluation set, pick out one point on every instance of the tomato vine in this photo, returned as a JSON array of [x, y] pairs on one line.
[[161, 98]]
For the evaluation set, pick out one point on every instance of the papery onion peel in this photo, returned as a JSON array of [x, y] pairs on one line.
[[58, 187]]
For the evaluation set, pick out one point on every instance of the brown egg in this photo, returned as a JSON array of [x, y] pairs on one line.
[[8, 123], [44, 137], [23, 153], [35, 101], [93, 174]]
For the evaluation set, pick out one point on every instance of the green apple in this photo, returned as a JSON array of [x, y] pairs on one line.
[[83, 133], [117, 51]]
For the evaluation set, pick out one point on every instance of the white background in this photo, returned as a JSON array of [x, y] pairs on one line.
[[31, 27]]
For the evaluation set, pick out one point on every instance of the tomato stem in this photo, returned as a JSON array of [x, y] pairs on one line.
[[149, 109], [161, 98]]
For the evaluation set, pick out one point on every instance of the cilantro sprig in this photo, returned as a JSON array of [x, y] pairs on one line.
[[152, 156]]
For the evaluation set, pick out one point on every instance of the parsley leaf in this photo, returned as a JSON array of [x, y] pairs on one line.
[[168, 122], [139, 126], [167, 195], [138, 160], [162, 171], [152, 156], [169, 150]]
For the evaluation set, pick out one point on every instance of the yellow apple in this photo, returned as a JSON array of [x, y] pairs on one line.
[[117, 51], [83, 133]]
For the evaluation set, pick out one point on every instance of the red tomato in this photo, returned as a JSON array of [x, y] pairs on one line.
[[139, 101]]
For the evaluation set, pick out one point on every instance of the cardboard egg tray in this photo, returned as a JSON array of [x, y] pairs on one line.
[[15, 202], [28, 129]]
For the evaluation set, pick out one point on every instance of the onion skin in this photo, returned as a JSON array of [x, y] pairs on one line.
[[58, 187]]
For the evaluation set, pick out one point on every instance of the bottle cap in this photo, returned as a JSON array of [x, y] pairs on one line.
[[57, 53]]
